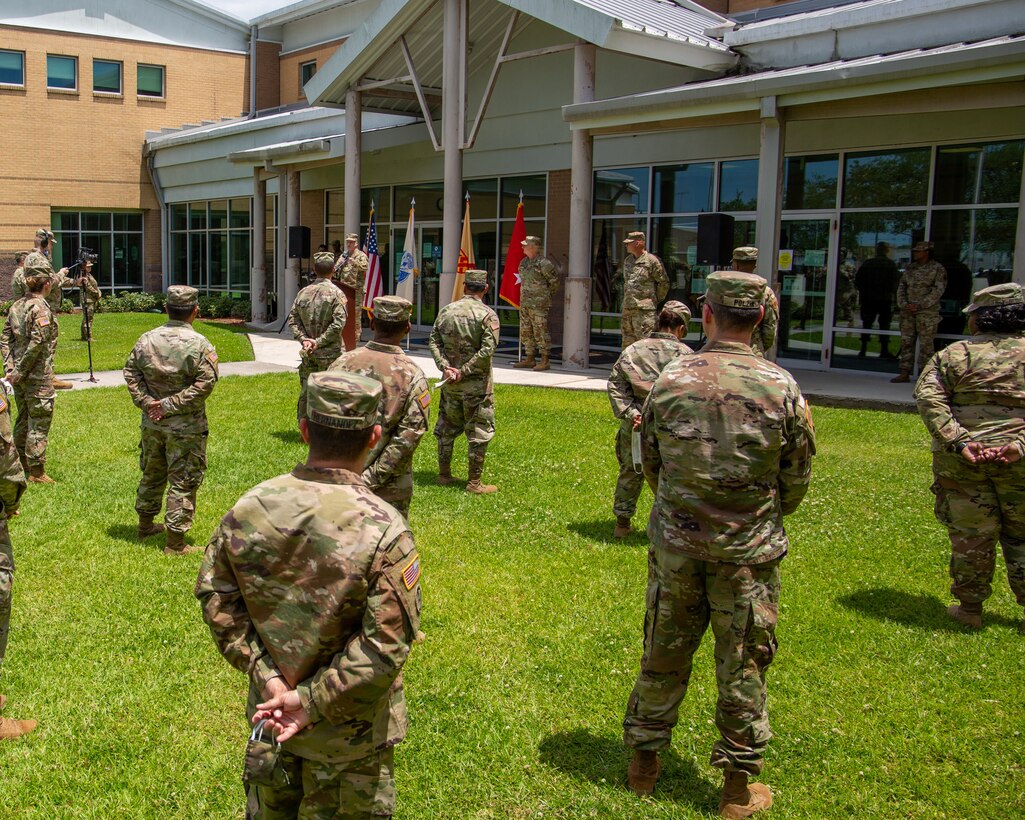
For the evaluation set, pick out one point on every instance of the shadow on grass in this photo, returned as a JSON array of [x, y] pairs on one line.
[[603, 761], [288, 436], [600, 530], [426, 478], [124, 532], [920, 611]]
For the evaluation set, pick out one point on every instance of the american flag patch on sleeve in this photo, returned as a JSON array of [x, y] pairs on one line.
[[424, 398], [411, 574]]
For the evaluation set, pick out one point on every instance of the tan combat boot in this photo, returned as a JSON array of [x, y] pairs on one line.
[[739, 799], [902, 378], [445, 476], [477, 488], [10, 729], [622, 529], [529, 361], [543, 364], [37, 474], [643, 772], [175, 544], [148, 527], [968, 614], [60, 384]]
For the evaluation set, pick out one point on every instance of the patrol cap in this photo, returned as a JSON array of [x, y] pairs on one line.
[[39, 265], [324, 258], [182, 296], [731, 288], [43, 233], [745, 254], [351, 237], [634, 236], [37, 279], [677, 310], [1009, 293], [19, 254], [476, 277], [922, 246], [532, 240], [392, 309], [345, 401]]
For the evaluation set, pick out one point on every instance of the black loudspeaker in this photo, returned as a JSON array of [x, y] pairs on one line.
[[715, 240], [298, 242]]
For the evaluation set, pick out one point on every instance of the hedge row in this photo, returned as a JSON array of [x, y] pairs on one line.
[[210, 307]]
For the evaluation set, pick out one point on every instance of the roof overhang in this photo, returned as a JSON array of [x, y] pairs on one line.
[[285, 153]]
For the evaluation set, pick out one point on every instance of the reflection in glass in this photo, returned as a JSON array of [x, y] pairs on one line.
[[483, 198], [606, 278], [240, 213], [621, 191], [534, 192], [886, 179], [334, 208], [179, 259], [430, 200], [978, 174], [738, 185], [802, 294], [240, 264], [675, 241], [218, 214], [381, 197], [810, 182], [684, 188]]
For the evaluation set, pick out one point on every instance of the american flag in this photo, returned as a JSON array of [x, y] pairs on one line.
[[375, 287]]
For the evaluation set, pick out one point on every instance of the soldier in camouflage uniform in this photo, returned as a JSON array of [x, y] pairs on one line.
[[316, 319], [463, 341], [763, 337], [12, 485], [311, 586], [40, 259], [645, 284], [170, 373], [538, 283], [404, 404], [728, 442], [351, 276], [18, 288], [918, 297], [971, 397], [26, 344], [90, 298], [631, 379]]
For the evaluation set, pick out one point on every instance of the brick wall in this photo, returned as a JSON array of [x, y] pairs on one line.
[[291, 90], [268, 75]]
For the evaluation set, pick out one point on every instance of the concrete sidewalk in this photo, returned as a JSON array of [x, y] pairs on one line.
[[274, 353]]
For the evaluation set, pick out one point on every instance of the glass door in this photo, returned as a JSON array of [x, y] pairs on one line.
[[429, 237], [802, 276]]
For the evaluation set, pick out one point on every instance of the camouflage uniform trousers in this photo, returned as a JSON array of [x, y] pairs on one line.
[[465, 411], [176, 460], [741, 602], [87, 321], [637, 324], [629, 483], [6, 585], [980, 505], [358, 789], [35, 414], [534, 335], [923, 325], [307, 366]]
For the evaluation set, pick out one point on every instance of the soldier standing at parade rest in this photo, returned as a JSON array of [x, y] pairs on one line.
[[463, 342], [763, 337], [26, 345], [311, 586], [12, 485], [538, 283], [40, 259], [404, 404], [918, 297], [971, 397], [728, 441], [645, 284], [630, 381], [351, 275], [171, 372], [90, 299], [18, 288], [316, 319]]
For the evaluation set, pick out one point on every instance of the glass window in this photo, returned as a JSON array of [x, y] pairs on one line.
[[218, 214], [430, 199], [218, 271], [107, 76], [12, 67], [975, 242], [240, 264], [66, 222], [335, 208], [306, 72], [96, 222], [606, 278], [128, 222], [483, 198], [675, 241], [197, 260], [684, 188], [975, 174], [381, 197], [239, 213], [534, 190], [180, 259], [197, 216], [738, 185], [886, 179], [61, 72], [810, 182], [150, 80], [621, 191], [179, 217]]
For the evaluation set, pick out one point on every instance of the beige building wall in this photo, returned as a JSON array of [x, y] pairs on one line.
[[291, 90]]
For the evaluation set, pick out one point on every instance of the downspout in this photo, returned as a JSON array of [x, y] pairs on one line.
[[159, 192], [254, 32]]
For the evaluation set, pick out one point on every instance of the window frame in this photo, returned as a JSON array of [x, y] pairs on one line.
[[57, 88], [302, 67], [22, 55], [163, 82], [120, 77]]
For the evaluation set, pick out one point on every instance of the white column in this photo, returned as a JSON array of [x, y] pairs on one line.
[[353, 157], [1018, 273], [770, 188], [258, 271], [453, 91], [576, 336], [290, 283]]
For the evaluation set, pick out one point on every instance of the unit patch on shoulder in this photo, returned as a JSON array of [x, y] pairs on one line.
[[495, 324], [424, 399], [411, 573]]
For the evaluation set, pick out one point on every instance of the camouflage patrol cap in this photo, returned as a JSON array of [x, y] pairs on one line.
[[39, 265], [19, 254], [324, 258], [677, 310], [345, 401], [634, 236], [351, 237], [1010, 293], [476, 277], [43, 233], [731, 288], [392, 309], [922, 246], [532, 240], [182, 296], [745, 254], [36, 279]]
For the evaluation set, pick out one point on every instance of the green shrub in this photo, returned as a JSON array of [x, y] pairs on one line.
[[5, 306], [132, 303]]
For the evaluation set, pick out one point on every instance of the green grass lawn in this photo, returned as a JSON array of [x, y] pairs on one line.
[[115, 334], [880, 705]]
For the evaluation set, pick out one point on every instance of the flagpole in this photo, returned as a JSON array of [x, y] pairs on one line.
[[519, 336], [412, 207]]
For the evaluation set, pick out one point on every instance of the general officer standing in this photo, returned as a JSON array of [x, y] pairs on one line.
[[918, 297], [728, 442], [538, 283], [630, 381], [40, 259], [311, 586], [971, 397], [351, 275], [316, 319], [763, 337], [462, 342], [171, 372], [26, 345], [405, 401], [645, 284]]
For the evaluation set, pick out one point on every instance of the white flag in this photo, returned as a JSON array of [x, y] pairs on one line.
[[408, 269]]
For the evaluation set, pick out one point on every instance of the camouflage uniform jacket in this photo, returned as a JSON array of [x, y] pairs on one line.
[[313, 578], [728, 438], [177, 366], [12, 476], [763, 337], [636, 369], [922, 285], [38, 259], [352, 271], [91, 291], [404, 415], [645, 283], [538, 283], [974, 390], [26, 340], [18, 286], [319, 313], [465, 336]]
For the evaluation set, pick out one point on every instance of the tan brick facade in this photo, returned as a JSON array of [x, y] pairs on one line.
[[268, 75], [291, 90]]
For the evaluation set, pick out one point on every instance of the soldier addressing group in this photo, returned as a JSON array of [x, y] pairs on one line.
[[316, 319], [630, 381], [170, 373], [728, 441], [311, 586], [463, 342], [351, 274], [645, 284], [404, 404], [39, 259], [763, 337], [918, 297], [538, 283]]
